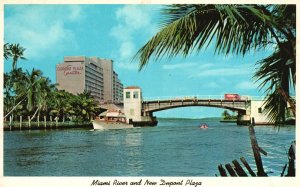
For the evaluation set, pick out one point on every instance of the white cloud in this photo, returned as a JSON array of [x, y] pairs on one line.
[[188, 65], [126, 50], [127, 65], [75, 13], [41, 29], [133, 16], [132, 20], [221, 72], [178, 66]]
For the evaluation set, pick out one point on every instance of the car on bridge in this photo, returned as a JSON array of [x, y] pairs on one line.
[[230, 96]]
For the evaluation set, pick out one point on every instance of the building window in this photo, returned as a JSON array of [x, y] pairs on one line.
[[259, 110], [135, 95], [127, 95]]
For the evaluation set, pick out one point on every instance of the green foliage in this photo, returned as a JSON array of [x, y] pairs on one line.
[[60, 104], [78, 108], [84, 105], [227, 116], [6, 51], [38, 96], [16, 51]]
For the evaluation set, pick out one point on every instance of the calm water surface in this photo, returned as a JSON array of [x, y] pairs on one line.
[[173, 148]]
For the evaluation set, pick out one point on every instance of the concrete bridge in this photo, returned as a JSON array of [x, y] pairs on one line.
[[141, 109], [150, 106]]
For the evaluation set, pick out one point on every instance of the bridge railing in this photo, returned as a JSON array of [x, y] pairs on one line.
[[183, 97], [161, 98]]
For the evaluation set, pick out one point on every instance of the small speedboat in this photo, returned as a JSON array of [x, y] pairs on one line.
[[204, 126]]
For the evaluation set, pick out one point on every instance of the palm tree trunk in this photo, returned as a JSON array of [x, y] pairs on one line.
[[35, 113], [288, 100], [14, 107]]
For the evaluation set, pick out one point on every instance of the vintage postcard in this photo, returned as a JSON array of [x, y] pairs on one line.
[[149, 93]]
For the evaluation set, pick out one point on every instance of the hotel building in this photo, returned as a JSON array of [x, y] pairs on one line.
[[95, 75]]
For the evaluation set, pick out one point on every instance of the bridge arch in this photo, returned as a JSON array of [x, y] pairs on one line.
[[148, 107], [172, 107]]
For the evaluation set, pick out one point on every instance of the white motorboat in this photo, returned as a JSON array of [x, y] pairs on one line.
[[112, 120]]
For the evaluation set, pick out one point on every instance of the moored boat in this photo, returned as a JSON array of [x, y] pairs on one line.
[[112, 120]]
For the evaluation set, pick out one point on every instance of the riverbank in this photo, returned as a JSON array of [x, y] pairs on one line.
[[45, 125], [228, 121]]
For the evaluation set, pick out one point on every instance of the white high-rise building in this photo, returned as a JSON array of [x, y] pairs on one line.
[[95, 75]]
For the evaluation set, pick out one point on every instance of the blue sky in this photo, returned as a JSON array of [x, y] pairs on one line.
[[50, 32]]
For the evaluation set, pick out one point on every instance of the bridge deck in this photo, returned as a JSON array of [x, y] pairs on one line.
[[157, 105]]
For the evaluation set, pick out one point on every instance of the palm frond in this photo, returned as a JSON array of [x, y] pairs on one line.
[[275, 108], [275, 73], [277, 69], [7, 52], [235, 29]]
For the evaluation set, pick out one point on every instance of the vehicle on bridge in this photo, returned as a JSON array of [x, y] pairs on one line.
[[230, 96]]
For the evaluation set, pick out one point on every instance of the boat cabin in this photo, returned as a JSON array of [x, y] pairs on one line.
[[113, 116]]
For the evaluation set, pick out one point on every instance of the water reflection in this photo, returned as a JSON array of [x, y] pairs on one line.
[[133, 139], [134, 162]]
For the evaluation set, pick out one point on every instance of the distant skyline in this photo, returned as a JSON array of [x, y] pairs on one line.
[[50, 32]]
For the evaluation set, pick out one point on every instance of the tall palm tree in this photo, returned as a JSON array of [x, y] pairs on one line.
[[7, 93], [14, 86], [236, 29], [61, 104], [17, 52], [33, 81], [85, 105], [7, 51], [275, 75], [44, 88], [28, 91]]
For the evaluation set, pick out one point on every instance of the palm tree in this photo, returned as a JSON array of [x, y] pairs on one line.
[[85, 105], [236, 29], [7, 93], [226, 115], [28, 92], [17, 53], [7, 51], [14, 86], [43, 93], [61, 104], [274, 73], [33, 81]]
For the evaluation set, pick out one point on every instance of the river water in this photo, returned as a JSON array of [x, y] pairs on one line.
[[173, 148]]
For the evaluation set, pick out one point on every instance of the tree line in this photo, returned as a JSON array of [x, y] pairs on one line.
[[29, 93]]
